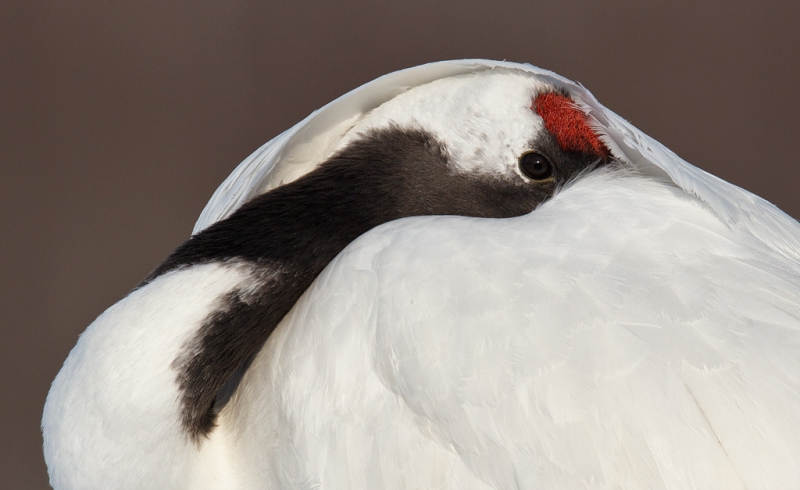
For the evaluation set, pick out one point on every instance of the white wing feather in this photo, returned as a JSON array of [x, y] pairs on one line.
[[633, 332], [621, 336]]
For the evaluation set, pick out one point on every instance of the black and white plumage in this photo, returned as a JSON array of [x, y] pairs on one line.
[[381, 297]]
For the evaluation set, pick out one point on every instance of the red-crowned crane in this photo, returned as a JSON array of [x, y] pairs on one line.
[[464, 275]]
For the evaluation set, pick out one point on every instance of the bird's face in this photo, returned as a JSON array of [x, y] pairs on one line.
[[493, 144]]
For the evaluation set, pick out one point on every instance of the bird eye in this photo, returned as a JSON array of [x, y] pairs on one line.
[[535, 166]]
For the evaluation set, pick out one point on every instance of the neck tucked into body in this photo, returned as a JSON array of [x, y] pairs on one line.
[[290, 234]]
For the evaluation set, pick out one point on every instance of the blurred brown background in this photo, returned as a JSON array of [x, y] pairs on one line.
[[119, 119]]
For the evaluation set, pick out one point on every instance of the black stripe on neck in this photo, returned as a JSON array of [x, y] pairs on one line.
[[291, 233]]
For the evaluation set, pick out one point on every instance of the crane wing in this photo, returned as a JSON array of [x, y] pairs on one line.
[[621, 336]]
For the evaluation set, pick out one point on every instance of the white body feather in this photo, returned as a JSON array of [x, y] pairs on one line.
[[635, 331], [621, 336]]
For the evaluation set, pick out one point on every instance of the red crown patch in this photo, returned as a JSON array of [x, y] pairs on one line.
[[569, 125]]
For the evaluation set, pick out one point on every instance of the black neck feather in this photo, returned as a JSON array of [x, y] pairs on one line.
[[291, 233]]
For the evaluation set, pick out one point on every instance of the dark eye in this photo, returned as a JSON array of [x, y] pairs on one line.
[[535, 166]]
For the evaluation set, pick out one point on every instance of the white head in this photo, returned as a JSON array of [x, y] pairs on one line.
[[487, 98], [485, 119]]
